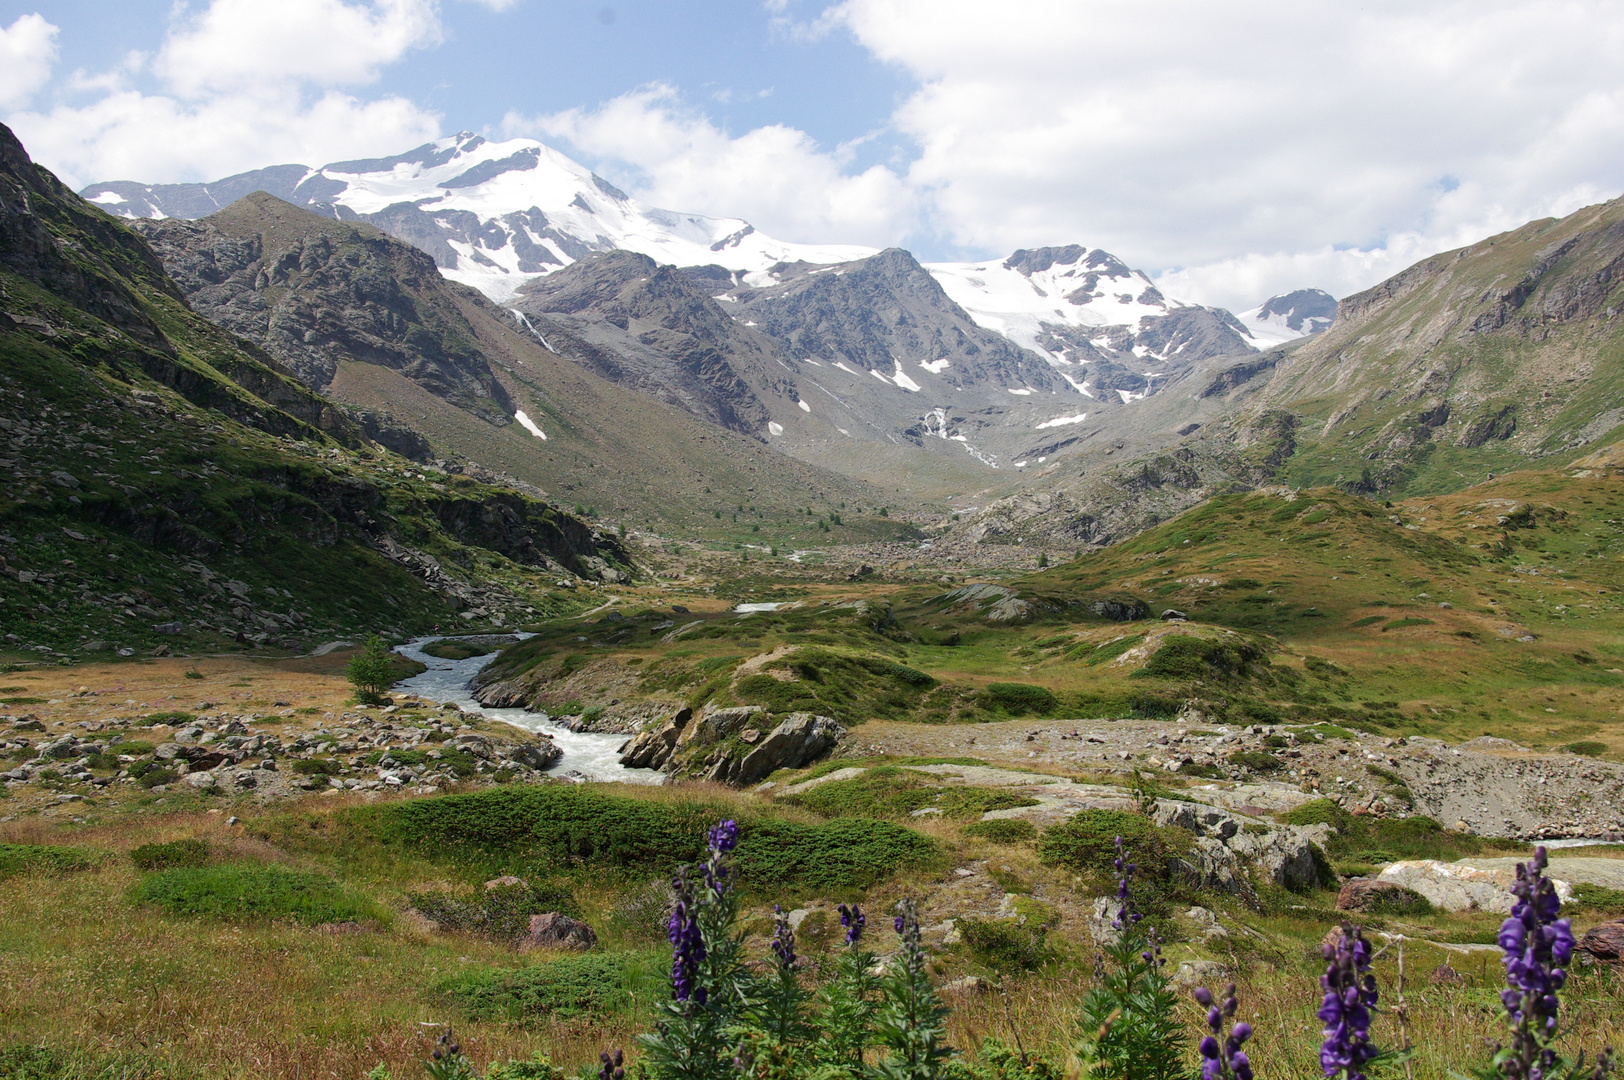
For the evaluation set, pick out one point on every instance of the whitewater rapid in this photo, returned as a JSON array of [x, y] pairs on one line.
[[587, 755]]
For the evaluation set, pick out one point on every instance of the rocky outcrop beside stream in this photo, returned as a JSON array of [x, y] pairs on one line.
[[737, 745]]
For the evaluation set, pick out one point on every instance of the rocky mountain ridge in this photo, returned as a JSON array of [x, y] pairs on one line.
[[498, 216], [159, 460]]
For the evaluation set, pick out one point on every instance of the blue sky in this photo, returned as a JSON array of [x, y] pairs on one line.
[[1230, 150], [732, 58]]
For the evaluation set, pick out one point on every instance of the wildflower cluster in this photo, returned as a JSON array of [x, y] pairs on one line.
[[1350, 995], [911, 1020], [853, 919], [1537, 945], [1221, 1055], [1129, 1030], [783, 942], [610, 1067]]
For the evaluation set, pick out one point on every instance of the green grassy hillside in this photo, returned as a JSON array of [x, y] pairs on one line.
[[169, 484]]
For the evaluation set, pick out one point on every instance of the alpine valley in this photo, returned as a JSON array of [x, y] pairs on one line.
[[405, 561]]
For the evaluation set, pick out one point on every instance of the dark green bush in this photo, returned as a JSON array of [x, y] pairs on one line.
[[1002, 830], [889, 792], [167, 856], [317, 767], [1183, 656], [844, 855], [250, 892], [1005, 945], [570, 986], [562, 826], [501, 913], [151, 775], [1589, 748], [1199, 769], [1399, 902], [1086, 843], [1017, 699], [41, 859], [1256, 760], [1599, 898], [1318, 812]]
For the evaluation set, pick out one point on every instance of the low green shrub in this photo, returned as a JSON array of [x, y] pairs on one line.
[[1005, 945], [250, 892], [1183, 656], [42, 859], [1318, 812], [501, 913], [317, 767], [1002, 830], [840, 856], [191, 852], [1588, 747], [571, 986], [150, 775], [173, 719], [563, 826], [1086, 843], [1017, 699], [890, 792], [1256, 760], [1599, 898], [1201, 769], [1399, 902]]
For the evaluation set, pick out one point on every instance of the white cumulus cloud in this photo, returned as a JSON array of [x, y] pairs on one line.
[[1237, 145], [775, 176], [27, 51], [241, 84], [243, 43], [155, 138]]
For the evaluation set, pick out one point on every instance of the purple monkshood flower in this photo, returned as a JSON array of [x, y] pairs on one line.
[[1221, 1055], [913, 945], [1350, 995], [783, 943], [687, 943], [1126, 915], [1538, 946], [853, 919], [723, 836], [610, 1067]]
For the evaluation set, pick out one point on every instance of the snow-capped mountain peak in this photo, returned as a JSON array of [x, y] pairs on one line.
[[1289, 316], [493, 214]]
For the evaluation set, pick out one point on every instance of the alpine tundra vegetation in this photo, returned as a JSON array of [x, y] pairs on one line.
[[459, 619]]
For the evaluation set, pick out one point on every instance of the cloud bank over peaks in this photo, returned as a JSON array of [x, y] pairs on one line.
[[776, 177], [1186, 133]]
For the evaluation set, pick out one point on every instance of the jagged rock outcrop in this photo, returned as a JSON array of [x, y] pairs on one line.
[[627, 319], [315, 292], [1228, 848], [719, 745]]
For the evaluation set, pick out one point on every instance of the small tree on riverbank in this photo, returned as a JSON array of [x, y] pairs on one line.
[[372, 671]]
